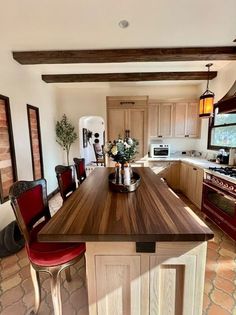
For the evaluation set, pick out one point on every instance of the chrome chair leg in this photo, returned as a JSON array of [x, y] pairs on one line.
[[37, 288]]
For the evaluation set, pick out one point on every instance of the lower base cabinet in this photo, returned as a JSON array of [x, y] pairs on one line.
[[167, 282], [181, 176], [170, 171], [191, 180]]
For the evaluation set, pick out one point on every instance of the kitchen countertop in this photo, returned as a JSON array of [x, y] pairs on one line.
[[196, 161], [152, 213]]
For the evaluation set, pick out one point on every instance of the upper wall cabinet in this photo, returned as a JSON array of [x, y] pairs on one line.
[[173, 120], [128, 113], [186, 120], [160, 120]]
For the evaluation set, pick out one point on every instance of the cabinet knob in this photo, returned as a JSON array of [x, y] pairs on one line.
[[194, 168], [186, 136]]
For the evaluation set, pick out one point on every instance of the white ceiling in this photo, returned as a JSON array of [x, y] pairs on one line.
[[93, 24]]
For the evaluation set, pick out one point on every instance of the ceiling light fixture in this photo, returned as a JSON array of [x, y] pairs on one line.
[[123, 24], [206, 99]]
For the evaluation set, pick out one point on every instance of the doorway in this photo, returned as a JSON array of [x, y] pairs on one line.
[[91, 130]]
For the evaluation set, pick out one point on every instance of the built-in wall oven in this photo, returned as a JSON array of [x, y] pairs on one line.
[[219, 199]]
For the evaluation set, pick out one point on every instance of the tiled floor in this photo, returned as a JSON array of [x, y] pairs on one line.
[[17, 297]]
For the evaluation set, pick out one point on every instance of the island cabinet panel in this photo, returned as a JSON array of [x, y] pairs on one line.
[[169, 290], [167, 282], [119, 276]]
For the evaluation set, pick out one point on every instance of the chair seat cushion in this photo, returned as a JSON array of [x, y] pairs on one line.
[[51, 254]]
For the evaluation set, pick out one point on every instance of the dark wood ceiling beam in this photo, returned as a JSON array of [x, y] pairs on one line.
[[124, 77], [125, 55]]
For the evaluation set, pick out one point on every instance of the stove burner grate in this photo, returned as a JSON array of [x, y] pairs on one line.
[[229, 171]]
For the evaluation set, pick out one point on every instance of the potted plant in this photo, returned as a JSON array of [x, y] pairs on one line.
[[66, 135]]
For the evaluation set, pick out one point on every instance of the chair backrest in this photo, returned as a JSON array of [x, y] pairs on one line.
[[99, 154], [66, 180], [30, 204], [80, 169]]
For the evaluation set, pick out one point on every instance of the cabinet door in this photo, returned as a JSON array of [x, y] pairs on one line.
[[175, 175], [193, 121], [118, 285], [137, 127], [180, 117], [153, 117], [117, 123], [184, 170], [165, 120], [199, 182], [192, 183]]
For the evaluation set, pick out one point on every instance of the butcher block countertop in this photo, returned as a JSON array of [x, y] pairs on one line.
[[152, 213]]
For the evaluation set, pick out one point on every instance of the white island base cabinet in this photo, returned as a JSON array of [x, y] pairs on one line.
[[167, 282]]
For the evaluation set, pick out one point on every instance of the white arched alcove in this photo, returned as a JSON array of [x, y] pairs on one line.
[[94, 124]]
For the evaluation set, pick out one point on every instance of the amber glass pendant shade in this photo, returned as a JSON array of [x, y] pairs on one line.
[[206, 103]]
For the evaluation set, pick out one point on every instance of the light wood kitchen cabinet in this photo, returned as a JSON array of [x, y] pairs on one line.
[[184, 169], [170, 171], [160, 120], [191, 179], [128, 113], [114, 272], [186, 120]]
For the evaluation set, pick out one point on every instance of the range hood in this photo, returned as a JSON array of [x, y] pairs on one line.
[[228, 103]]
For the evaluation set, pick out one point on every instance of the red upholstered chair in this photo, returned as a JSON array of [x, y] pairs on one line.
[[80, 169], [29, 202], [66, 180]]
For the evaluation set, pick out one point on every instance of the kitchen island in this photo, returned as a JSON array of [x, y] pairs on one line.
[[145, 250]]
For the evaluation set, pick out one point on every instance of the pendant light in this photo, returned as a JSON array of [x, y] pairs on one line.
[[206, 99]]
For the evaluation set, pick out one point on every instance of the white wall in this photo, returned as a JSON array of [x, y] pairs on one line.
[[23, 88], [94, 124], [84, 100], [220, 86]]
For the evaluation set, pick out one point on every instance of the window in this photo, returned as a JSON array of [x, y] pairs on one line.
[[222, 131], [8, 174], [35, 141]]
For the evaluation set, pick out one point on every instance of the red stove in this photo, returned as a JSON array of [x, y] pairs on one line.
[[219, 198]]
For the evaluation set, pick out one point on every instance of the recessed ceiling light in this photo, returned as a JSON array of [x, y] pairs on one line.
[[123, 24]]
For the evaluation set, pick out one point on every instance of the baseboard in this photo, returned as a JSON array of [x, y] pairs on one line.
[[53, 193]]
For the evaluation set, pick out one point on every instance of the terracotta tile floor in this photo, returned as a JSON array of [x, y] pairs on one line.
[[17, 297]]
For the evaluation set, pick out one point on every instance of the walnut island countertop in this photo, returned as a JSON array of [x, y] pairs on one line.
[[140, 246], [152, 213]]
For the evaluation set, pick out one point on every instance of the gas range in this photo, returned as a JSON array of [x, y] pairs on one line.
[[226, 173], [219, 197]]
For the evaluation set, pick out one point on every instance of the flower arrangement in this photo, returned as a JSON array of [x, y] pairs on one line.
[[122, 150]]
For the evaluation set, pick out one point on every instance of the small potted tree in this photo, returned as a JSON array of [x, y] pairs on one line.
[[66, 135]]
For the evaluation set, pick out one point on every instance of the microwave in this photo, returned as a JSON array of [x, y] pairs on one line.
[[159, 150]]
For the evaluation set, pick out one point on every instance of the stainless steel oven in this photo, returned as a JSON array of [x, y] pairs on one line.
[[219, 202]]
